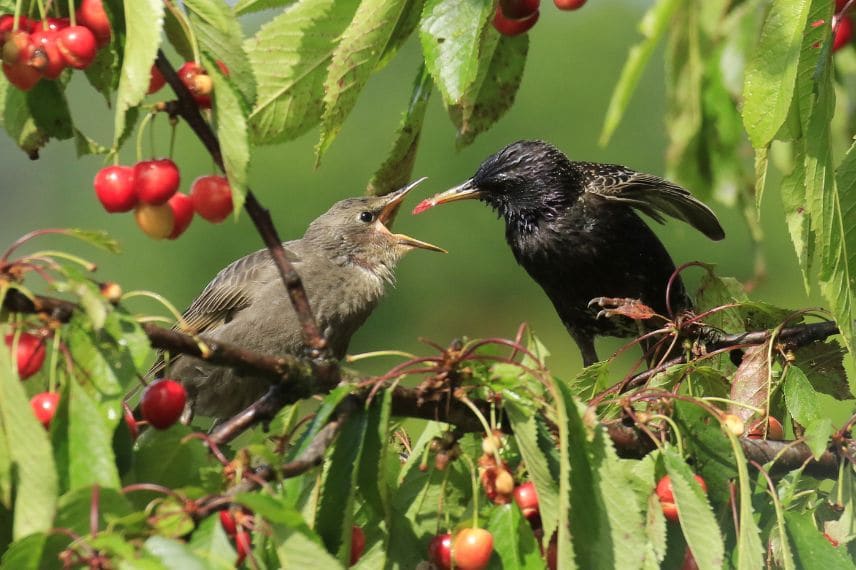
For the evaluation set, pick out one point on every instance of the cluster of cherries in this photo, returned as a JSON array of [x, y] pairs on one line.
[[33, 49], [150, 188], [515, 17], [194, 77]]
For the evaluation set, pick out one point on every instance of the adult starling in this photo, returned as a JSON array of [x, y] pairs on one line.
[[345, 259], [573, 227]]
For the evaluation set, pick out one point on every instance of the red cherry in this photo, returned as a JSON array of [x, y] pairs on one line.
[[156, 82], [358, 544], [92, 15], [7, 24], [527, 499], [163, 402], [472, 548], [155, 181], [839, 5], [44, 406], [667, 497], [519, 9], [440, 551], [77, 46], [569, 4], [30, 354], [197, 81], [182, 213], [114, 187], [212, 197], [156, 221], [45, 56], [17, 47], [56, 24], [508, 27], [843, 33], [227, 521], [21, 75], [243, 544]]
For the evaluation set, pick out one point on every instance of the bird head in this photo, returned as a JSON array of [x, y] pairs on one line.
[[524, 181], [357, 231]]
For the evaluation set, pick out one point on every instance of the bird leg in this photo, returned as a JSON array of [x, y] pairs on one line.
[[586, 346], [624, 306]]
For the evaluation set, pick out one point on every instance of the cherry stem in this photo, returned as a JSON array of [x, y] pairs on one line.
[[72, 16], [42, 14], [25, 238], [141, 131], [17, 16], [472, 468]]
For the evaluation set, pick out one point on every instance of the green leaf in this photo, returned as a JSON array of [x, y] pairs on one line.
[[164, 459], [823, 364], [174, 28], [334, 519], [591, 380], [652, 26], [354, 59], [842, 245], [396, 170], [800, 397], [500, 69], [20, 124], [173, 554], [565, 553], [34, 472], [450, 32], [750, 551], [289, 56], [512, 538], [698, 522], [85, 145], [407, 23], [771, 72], [797, 217], [817, 434], [35, 552], [219, 35], [106, 366], [50, 110], [75, 509], [811, 548], [371, 470], [143, 23], [249, 6], [90, 443], [210, 543], [231, 118], [297, 547]]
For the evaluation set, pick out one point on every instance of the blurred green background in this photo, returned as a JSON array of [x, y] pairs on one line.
[[477, 289]]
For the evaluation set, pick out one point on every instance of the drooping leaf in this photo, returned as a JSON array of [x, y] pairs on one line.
[[451, 33], [371, 472], [173, 554], [20, 124], [231, 121], [354, 59], [289, 56], [817, 434], [750, 384], [811, 549], [35, 479], [823, 365], [512, 538], [772, 69], [90, 443], [800, 397], [405, 26], [750, 552], [143, 21], [210, 543], [653, 25], [49, 108], [397, 169], [164, 459], [249, 6]]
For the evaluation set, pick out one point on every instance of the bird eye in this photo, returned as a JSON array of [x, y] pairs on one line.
[[367, 217]]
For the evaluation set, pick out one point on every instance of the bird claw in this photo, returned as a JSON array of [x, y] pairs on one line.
[[626, 307]]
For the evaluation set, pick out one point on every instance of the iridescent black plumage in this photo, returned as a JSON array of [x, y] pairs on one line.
[[573, 227]]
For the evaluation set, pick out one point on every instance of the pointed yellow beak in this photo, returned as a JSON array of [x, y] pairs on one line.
[[387, 216], [466, 191]]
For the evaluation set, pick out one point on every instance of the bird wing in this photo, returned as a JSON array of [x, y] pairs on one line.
[[651, 195], [229, 292]]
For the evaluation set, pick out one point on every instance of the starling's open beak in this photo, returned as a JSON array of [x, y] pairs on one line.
[[466, 191], [387, 215]]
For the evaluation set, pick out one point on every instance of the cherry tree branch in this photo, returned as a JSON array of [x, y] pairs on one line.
[[186, 108]]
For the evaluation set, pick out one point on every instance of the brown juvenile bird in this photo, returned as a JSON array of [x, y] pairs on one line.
[[573, 227], [345, 259]]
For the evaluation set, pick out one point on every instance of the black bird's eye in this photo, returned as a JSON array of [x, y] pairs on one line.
[[367, 217]]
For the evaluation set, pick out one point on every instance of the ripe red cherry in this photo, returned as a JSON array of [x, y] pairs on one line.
[[569, 4], [227, 521], [56, 24], [212, 197], [243, 544], [472, 548], [17, 47], [182, 213], [519, 9], [509, 27], [21, 75], [156, 82], [45, 56], [527, 499], [843, 33], [197, 81], [667, 497], [30, 354], [358, 544], [114, 187], [839, 5], [44, 406], [77, 46], [163, 402], [440, 551], [92, 15], [155, 181]]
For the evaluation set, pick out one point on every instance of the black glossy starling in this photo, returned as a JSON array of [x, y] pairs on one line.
[[573, 227], [345, 259]]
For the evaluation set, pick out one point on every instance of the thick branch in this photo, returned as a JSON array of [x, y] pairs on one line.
[[187, 109]]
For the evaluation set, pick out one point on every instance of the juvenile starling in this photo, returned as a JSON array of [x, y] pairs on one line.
[[573, 227], [345, 259]]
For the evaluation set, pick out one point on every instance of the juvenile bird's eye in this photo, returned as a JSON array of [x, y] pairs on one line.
[[367, 217]]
